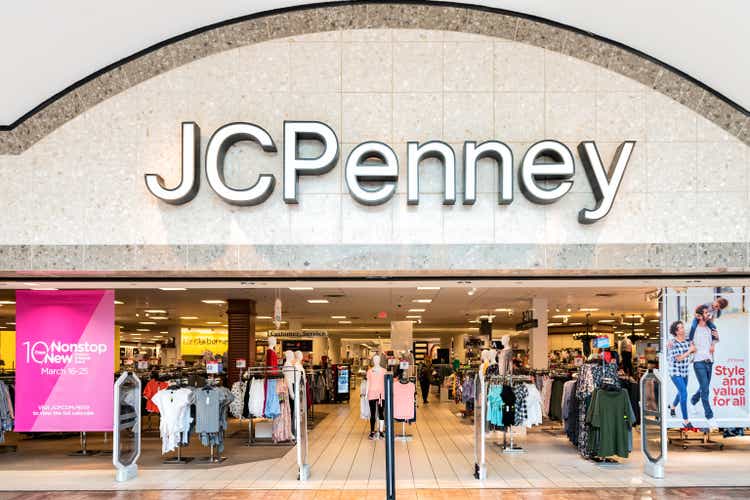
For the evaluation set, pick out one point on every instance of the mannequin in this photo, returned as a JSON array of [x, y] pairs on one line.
[[290, 369], [505, 362], [484, 356], [375, 395], [272, 361], [298, 357]]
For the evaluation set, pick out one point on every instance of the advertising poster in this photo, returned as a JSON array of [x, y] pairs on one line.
[[196, 341], [705, 347], [65, 362]]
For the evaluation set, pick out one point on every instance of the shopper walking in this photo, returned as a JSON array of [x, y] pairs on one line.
[[679, 351], [425, 375]]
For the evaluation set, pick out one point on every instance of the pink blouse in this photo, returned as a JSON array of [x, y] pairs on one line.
[[403, 401], [375, 384]]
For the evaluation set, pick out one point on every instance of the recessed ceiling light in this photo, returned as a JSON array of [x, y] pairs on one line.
[[301, 288], [173, 289], [338, 317], [588, 309], [119, 303], [575, 324], [606, 321], [263, 317], [44, 289], [31, 284], [142, 330], [214, 301], [317, 301], [417, 310], [10, 323], [650, 321], [164, 332], [159, 317], [561, 316], [188, 317], [422, 301], [345, 322], [416, 316], [503, 310], [147, 322], [155, 311], [213, 322], [554, 324], [428, 288], [7, 302]]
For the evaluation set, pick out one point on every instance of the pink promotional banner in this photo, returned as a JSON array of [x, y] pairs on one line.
[[64, 358]]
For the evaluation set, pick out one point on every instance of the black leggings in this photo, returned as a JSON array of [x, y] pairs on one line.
[[376, 403]]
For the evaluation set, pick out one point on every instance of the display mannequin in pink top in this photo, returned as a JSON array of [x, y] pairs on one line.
[[375, 396]]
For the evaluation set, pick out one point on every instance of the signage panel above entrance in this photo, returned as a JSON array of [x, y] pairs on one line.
[[371, 170]]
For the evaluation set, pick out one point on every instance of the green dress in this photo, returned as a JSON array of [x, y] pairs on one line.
[[611, 418]]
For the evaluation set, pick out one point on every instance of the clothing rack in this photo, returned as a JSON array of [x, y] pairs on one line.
[[266, 372], [509, 379], [10, 379]]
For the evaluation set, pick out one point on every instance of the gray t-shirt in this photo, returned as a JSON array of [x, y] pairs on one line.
[[702, 341], [209, 404]]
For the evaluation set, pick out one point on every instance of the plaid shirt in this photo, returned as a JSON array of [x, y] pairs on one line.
[[676, 366]]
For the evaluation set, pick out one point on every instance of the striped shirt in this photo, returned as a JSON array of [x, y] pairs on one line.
[[676, 366]]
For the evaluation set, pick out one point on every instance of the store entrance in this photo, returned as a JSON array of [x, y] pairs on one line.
[[535, 344]]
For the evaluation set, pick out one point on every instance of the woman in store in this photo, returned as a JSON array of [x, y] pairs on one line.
[[679, 351], [425, 374]]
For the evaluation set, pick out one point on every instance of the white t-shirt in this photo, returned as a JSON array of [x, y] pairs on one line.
[[174, 408], [702, 340]]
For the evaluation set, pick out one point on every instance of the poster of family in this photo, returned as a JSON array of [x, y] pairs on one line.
[[704, 356]]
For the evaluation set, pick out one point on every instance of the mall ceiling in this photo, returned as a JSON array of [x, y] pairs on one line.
[[50, 45], [367, 311]]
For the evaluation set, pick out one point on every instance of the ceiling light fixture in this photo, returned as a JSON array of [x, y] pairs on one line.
[[338, 317], [173, 289], [188, 317], [213, 322], [142, 330], [159, 317], [317, 301], [119, 303], [503, 310], [7, 302], [263, 317], [345, 322], [213, 301], [428, 288], [417, 310], [147, 322], [46, 289], [422, 301], [588, 309], [31, 284], [561, 316], [416, 316], [301, 288], [606, 321], [155, 311]]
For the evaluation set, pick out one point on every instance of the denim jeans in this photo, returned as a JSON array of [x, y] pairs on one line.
[[681, 398], [703, 371]]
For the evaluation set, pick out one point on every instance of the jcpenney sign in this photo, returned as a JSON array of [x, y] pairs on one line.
[[371, 170]]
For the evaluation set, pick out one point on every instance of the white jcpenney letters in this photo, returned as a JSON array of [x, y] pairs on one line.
[[371, 170]]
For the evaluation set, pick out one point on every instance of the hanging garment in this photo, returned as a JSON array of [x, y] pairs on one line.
[[495, 405], [404, 401], [533, 406], [509, 405], [152, 387], [521, 393], [611, 418], [174, 407], [208, 409], [256, 398], [273, 409], [7, 415], [567, 402], [555, 404], [282, 423], [364, 406], [238, 391], [546, 393]]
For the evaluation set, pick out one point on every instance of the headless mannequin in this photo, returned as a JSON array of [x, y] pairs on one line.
[[506, 357], [272, 361], [484, 356], [292, 377], [375, 395]]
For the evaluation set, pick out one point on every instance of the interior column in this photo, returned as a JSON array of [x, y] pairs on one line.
[[241, 320], [538, 356]]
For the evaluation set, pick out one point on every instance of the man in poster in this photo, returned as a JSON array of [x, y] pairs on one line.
[[704, 340]]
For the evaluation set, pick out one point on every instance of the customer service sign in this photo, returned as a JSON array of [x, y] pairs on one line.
[[705, 355], [65, 361]]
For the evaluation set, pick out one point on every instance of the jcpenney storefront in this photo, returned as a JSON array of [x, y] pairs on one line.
[[353, 141]]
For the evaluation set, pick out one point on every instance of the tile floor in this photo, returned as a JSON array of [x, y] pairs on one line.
[[440, 456]]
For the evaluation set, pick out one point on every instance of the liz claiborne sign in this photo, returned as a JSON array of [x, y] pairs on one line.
[[371, 170]]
